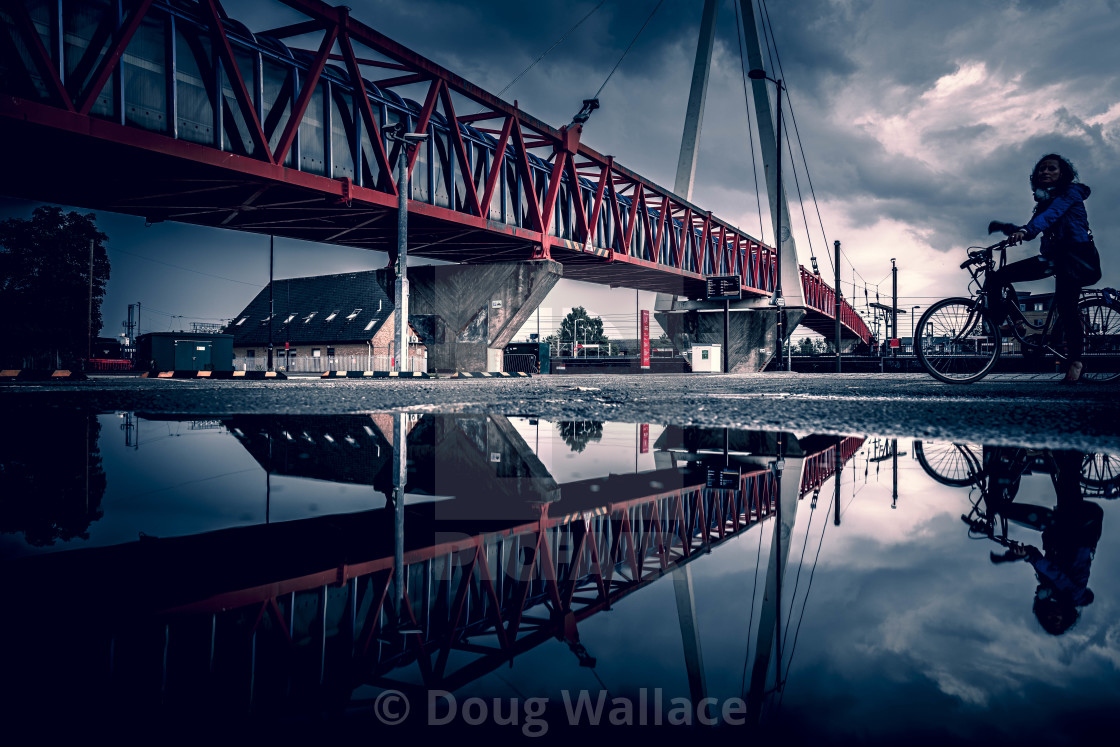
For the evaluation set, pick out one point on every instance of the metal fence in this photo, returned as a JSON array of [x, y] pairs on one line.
[[521, 363], [308, 364]]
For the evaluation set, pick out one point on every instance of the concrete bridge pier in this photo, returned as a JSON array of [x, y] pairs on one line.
[[752, 334], [466, 314]]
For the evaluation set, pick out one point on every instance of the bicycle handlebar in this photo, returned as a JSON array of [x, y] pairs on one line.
[[976, 256]]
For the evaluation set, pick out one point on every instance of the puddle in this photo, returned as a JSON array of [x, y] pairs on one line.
[[524, 575]]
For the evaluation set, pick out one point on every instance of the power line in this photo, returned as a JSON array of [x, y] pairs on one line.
[[186, 269]]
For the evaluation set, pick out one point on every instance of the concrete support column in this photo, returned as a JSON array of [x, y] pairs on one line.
[[466, 314], [751, 336]]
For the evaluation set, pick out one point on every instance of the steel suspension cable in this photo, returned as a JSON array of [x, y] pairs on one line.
[[627, 51], [750, 618], [808, 588], [750, 127], [554, 45], [800, 565]]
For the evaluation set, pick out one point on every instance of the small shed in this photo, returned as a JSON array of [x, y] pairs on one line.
[[184, 351], [707, 358]]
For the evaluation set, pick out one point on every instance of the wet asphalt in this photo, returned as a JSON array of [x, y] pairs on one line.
[[1020, 410]]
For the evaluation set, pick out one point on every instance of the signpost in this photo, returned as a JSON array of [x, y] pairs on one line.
[[726, 288], [645, 338]]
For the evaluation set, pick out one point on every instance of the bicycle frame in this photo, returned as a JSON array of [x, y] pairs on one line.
[[980, 263]]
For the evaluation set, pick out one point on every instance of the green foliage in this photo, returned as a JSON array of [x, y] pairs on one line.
[[578, 433], [45, 286], [580, 327]]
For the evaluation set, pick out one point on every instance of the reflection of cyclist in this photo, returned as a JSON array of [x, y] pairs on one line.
[[1067, 248], [1068, 546]]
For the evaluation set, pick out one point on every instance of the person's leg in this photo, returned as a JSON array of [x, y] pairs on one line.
[[1032, 268], [1066, 295]]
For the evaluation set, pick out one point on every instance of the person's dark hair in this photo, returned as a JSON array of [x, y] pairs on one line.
[[1056, 616], [1068, 172]]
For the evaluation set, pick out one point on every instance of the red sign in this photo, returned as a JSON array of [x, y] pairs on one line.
[[287, 345], [894, 342], [644, 447], [645, 338]]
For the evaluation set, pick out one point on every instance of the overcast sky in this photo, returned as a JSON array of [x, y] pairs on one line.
[[920, 122]]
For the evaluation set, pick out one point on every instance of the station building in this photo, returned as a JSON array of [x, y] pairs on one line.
[[338, 322]]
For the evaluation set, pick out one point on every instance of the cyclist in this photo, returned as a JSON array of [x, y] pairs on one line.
[[1068, 546], [1067, 249]]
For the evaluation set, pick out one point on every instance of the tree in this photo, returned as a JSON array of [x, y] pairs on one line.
[[579, 327], [578, 433], [45, 287]]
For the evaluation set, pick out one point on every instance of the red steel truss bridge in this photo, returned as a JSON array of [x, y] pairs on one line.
[[262, 614], [171, 110]]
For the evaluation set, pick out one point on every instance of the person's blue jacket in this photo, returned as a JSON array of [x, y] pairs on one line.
[[1061, 220]]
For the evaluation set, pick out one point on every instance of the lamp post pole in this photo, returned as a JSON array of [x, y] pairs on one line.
[[408, 142], [894, 306], [776, 300]]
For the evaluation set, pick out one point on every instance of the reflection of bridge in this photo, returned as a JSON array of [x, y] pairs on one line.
[[261, 614], [175, 112]]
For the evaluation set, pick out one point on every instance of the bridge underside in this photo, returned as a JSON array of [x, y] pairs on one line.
[[76, 169]]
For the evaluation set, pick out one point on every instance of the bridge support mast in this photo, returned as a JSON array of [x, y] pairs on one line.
[[752, 326]]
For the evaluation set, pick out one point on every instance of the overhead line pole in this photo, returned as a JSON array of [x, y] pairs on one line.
[[836, 296]]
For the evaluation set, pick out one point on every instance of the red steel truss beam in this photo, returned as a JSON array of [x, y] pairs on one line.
[[689, 256]]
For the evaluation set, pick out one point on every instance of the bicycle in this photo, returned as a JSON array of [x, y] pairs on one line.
[[958, 343]]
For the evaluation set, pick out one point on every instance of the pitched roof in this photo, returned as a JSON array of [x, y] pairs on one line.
[[349, 307]]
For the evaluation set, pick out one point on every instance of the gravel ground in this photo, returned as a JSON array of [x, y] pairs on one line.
[[1009, 409]]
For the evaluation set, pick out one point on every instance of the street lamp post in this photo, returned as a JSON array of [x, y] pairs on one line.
[[408, 142], [776, 300]]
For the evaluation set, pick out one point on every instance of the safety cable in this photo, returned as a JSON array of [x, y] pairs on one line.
[[750, 127], [627, 51], [554, 45]]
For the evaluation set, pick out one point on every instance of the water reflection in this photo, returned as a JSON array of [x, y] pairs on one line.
[[55, 505], [287, 568]]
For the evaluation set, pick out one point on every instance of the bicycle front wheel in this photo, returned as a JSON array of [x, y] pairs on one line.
[[1100, 323], [955, 343]]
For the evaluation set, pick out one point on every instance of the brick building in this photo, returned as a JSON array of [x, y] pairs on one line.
[[321, 323]]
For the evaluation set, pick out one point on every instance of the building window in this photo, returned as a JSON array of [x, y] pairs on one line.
[[332, 315], [1038, 306], [353, 315], [330, 352], [315, 353], [250, 353]]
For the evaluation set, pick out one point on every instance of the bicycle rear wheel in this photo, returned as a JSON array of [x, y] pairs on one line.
[[955, 343], [1101, 325]]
